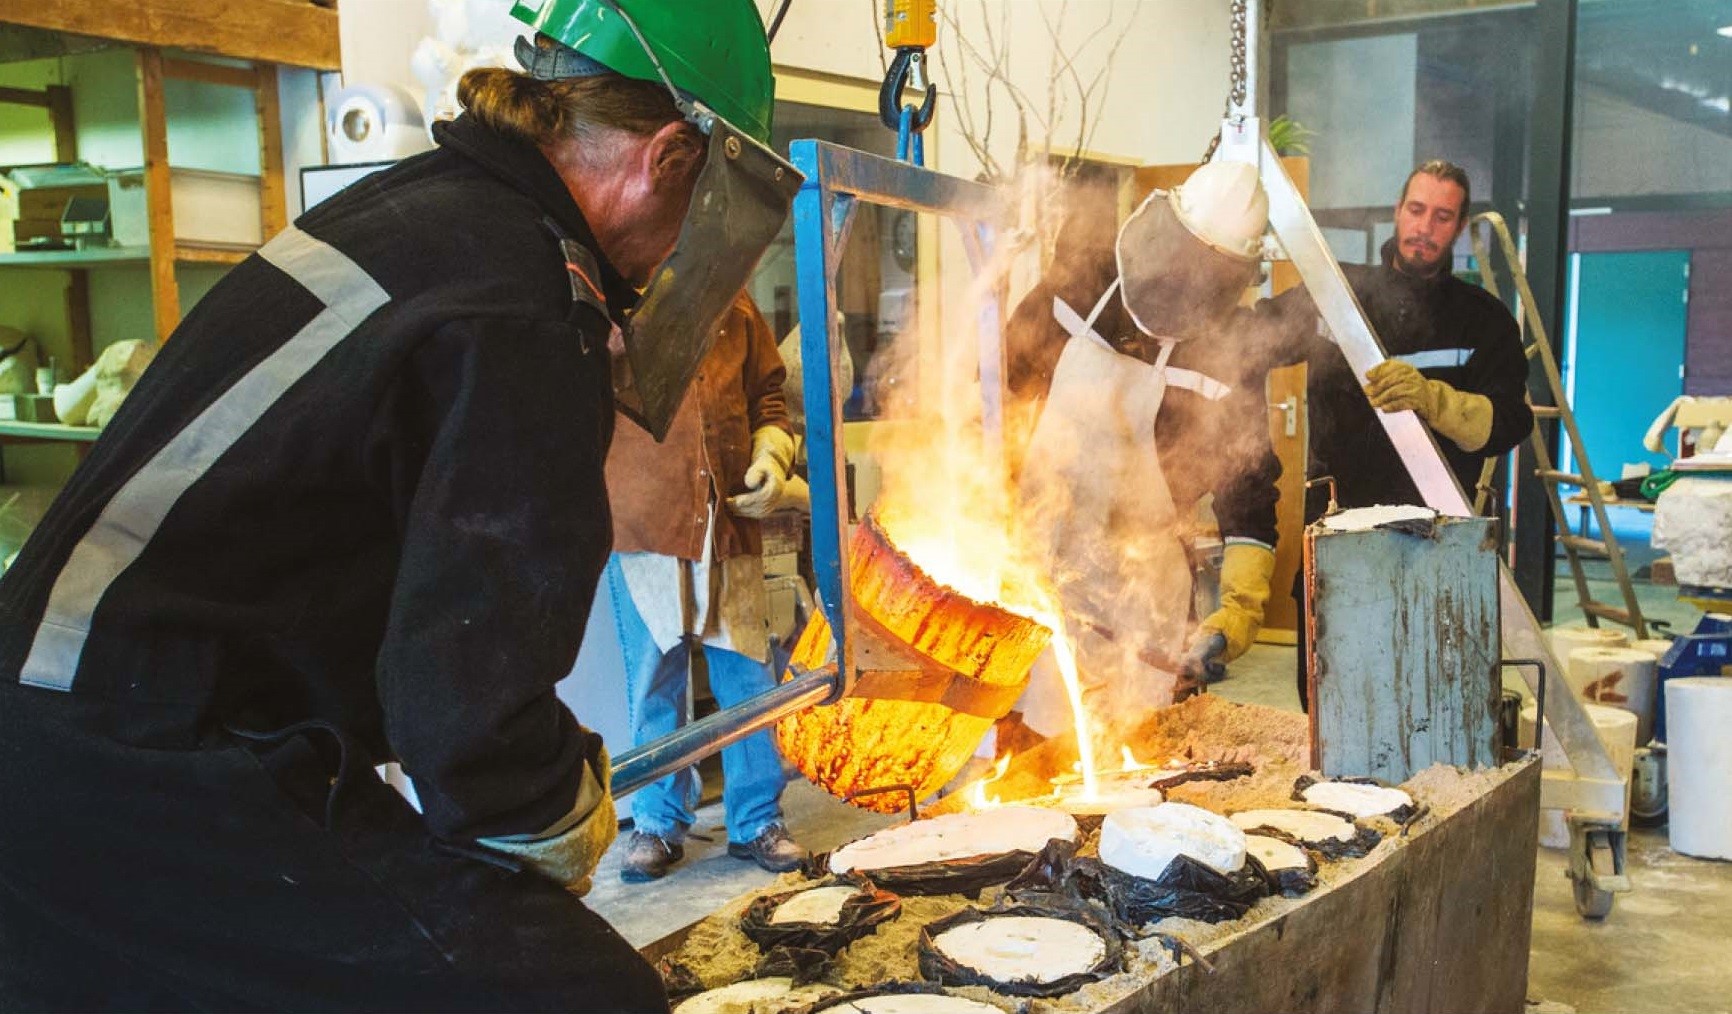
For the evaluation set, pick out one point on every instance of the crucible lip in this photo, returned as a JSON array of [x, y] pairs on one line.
[[874, 531]]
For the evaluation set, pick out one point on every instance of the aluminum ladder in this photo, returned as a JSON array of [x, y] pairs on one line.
[[1537, 346]]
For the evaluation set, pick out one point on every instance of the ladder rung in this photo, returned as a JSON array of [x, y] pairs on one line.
[[1606, 612], [1546, 411], [1532, 350], [1553, 475], [1584, 545]]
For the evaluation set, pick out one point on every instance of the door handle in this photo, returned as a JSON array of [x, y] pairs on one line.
[[1289, 408]]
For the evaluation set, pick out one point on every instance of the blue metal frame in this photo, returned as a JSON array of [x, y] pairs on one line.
[[837, 179]]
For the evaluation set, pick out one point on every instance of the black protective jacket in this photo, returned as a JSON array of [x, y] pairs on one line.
[[1212, 433], [1451, 330], [362, 487]]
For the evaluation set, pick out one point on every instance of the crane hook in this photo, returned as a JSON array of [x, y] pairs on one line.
[[908, 67]]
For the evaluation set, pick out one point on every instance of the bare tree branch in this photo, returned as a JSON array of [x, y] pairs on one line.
[[877, 29]]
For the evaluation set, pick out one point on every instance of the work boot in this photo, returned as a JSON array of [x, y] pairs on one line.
[[773, 849], [649, 857]]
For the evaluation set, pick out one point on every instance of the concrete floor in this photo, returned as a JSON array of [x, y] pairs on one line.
[[1663, 948]]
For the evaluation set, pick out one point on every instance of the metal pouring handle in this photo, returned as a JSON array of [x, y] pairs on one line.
[[642, 765]]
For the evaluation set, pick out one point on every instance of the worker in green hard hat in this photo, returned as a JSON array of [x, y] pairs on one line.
[[356, 513]]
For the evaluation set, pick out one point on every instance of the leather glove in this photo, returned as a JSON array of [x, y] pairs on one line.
[[1395, 386], [568, 852], [1246, 570], [1206, 658], [772, 461], [797, 495]]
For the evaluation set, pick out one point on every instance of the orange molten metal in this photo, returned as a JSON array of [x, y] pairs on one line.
[[898, 731]]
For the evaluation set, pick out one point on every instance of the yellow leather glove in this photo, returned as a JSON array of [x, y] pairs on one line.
[[568, 852], [1246, 570], [796, 493], [772, 462], [1395, 386]]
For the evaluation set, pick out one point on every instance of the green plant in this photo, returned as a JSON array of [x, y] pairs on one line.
[[1290, 137]]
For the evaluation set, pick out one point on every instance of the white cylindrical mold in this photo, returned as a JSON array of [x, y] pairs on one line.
[[1699, 765], [1620, 678], [1578, 635], [1617, 729]]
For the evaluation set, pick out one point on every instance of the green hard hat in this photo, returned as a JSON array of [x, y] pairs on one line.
[[715, 50]]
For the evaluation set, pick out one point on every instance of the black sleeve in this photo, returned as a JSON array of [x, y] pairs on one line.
[[1279, 331], [1238, 451], [1273, 333], [504, 535], [1245, 497], [1498, 369]]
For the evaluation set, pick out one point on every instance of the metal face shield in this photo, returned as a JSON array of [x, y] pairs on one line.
[[739, 203], [1176, 286]]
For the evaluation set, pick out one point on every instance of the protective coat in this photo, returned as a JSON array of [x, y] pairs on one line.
[[1449, 329], [353, 512]]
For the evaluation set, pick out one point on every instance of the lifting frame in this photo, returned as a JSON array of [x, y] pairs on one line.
[[838, 180]]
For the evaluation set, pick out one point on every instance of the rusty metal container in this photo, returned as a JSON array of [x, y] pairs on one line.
[[1404, 645], [936, 670]]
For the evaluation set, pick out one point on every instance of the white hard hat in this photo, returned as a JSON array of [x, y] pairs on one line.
[[1223, 204]]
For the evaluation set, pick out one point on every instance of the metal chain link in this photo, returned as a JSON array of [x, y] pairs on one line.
[[1236, 72]]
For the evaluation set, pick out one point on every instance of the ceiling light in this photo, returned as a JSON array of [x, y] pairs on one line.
[[1725, 30]]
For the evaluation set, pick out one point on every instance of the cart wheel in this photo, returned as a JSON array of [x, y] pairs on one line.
[[1591, 902], [1648, 803]]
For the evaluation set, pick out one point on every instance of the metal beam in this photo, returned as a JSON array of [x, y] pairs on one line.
[[1547, 263]]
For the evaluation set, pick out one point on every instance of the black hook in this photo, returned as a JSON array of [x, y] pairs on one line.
[[890, 94]]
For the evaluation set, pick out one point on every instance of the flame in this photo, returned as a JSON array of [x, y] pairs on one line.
[[1066, 657], [978, 559], [977, 797], [1130, 761]]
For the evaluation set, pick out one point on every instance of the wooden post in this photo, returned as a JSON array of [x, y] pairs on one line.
[[78, 321], [60, 114], [158, 192], [273, 201]]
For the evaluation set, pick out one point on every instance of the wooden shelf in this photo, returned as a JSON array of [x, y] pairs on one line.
[[188, 252], [89, 257], [48, 431], [185, 252], [299, 33]]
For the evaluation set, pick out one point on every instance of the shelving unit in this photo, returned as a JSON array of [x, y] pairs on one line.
[[20, 431], [169, 40], [266, 34]]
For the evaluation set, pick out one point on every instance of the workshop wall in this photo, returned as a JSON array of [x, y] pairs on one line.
[[1160, 103]]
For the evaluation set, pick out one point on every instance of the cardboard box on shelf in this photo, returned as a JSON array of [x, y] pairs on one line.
[[40, 210]]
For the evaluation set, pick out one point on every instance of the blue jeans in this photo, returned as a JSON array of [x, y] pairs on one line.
[[656, 687]]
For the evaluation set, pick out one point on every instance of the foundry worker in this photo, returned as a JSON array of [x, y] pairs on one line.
[[688, 566], [1129, 408], [1455, 360], [356, 512]]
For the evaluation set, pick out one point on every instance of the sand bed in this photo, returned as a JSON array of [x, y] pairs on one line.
[[1203, 729]]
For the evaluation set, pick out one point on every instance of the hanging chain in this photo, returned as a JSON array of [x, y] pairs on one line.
[[1236, 93], [1236, 82]]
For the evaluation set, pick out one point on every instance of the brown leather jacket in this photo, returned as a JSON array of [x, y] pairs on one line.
[[660, 492]]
